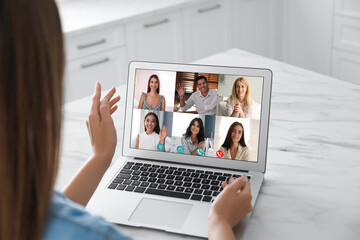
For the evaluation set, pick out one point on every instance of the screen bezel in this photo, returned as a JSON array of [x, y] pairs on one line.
[[259, 166]]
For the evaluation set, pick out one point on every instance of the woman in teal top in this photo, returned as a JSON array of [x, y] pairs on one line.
[[152, 100], [31, 90]]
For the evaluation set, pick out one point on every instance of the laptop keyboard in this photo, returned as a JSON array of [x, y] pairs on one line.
[[185, 183]]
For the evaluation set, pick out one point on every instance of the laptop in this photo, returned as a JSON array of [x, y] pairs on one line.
[[177, 152]]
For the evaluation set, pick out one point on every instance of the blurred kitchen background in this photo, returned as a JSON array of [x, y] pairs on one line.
[[103, 36]]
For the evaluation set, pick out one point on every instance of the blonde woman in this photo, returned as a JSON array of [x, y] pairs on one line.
[[240, 104]]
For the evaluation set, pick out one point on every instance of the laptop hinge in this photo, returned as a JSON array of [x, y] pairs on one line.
[[164, 161]]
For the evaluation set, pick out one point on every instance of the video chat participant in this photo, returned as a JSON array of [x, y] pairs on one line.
[[152, 100], [204, 99], [240, 104], [153, 135], [194, 138], [234, 146]]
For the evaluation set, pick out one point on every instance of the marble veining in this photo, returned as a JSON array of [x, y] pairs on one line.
[[312, 181]]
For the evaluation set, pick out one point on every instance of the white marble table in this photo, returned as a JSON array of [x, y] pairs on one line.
[[312, 182]]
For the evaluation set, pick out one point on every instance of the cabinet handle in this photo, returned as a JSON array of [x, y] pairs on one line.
[[147, 25], [209, 9], [92, 44], [94, 63]]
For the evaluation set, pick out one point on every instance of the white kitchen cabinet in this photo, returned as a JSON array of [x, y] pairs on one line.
[[346, 44], [307, 33], [155, 38], [206, 29], [256, 26], [346, 66], [107, 67]]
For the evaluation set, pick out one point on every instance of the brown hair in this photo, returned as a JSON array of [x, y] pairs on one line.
[[247, 99], [31, 72], [228, 141], [157, 78]]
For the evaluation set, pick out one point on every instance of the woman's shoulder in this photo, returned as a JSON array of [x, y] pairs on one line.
[[68, 220]]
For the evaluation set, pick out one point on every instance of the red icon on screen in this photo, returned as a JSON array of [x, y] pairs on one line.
[[219, 154]]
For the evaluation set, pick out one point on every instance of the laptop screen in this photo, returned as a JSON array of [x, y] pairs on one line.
[[196, 113]]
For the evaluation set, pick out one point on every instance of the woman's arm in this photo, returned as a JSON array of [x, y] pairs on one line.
[[162, 135], [103, 140], [141, 102], [229, 208], [163, 104]]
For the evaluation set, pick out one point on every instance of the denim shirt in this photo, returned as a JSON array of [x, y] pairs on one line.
[[68, 220]]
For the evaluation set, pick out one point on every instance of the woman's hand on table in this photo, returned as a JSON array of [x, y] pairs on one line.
[[229, 208]]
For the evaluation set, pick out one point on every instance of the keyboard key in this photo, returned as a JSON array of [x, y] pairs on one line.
[[173, 168], [164, 167], [208, 193], [177, 173], [144, 179], [121, 187], [169, 182], [186, 174], [160, 181], [179, 178], [169, 171], [218, 173], [212, 177], [178, 183], [127, 166], [236, 175], [206, 187], [130, 163], [195, 175], [144, 184], [118, 180], [181, 169], [162, 186], [214, 188], [136, 173], [198, 191], [227, 174], [196, 180], [215, 194], [124, 176], [196, 197], [196, 185], [205, 181], [147, 165], [127, 182], [144, 169], [160, 170], [199, 171], [171, 188], [153, 185], [151, 169], [204, 175], [135, 167], [170, 177], [215, 183], [161, 176], [152, 175], [208, 172], [187, 184], [155, 166], [206, 199], [144, 174], [135, 178], [140, 189], [179, 189], [135, 183], [221, 178], [152, 180], [189, 190], [112, 186], [126, 171], [168, 193], [188, 179], [190, 170], [138, 164], [129, 188]]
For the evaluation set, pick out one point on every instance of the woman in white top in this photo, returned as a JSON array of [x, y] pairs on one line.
[[152, 135], [240, 104], [234, 146]]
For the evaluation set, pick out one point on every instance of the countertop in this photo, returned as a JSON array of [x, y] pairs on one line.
[[312, 181], [80, 15]]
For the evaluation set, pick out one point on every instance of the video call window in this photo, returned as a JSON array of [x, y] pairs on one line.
[[213, 115]]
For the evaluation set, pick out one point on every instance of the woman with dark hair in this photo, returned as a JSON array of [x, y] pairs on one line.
[[152, 100], [31, 89], [152, 135], [194, 137], [234, 146]]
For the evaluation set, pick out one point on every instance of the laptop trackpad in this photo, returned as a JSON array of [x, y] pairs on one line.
[[161, 213]]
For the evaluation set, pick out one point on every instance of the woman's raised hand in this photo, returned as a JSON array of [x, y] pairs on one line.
[[163, 133], [101, 126]]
